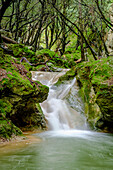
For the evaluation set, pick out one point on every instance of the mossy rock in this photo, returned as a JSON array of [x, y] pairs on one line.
[[47, 52], [20, 50], [105, 100], [8, 129], [19, 95], [68, 76], [97, 75]]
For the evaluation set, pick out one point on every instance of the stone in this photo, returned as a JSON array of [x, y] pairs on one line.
[[18, 98]]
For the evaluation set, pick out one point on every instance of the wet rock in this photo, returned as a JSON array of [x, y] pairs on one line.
[[18, 98], [96, 89]]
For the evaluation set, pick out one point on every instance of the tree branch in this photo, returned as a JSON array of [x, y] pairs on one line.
[[92, 51], [97, 3]]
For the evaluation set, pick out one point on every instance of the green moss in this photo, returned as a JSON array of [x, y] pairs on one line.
[[7, 129], [17, 84], [5, 106], [39, 108], [20, 50], [5, 61], [19, 95], [97, 71], [73, 56], [97, 75], [1, 52], [38, 67], [46, 52], [69, 75]]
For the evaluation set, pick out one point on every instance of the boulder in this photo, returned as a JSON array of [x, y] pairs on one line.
[[96, 88], [19, 98]]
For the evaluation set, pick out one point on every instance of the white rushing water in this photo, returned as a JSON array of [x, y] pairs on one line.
[[68, 145], [59, 114]]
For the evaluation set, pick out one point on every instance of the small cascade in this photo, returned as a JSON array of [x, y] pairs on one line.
[[56, 110], [59, 114]]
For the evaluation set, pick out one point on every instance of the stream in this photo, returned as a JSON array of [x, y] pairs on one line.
[[69, 144]]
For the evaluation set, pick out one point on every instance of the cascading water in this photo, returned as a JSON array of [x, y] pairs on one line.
[[59, 114], [68, 145]]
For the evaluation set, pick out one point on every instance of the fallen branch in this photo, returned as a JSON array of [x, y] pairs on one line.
[[41, 63], [78, 61], [8, 40], [23, 58]]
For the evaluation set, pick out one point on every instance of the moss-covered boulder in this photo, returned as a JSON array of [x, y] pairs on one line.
[[8, 129], [20, 50], [45, 55], [96, 87], [70, 74], [44, 59], [104, 99], [19, 98]]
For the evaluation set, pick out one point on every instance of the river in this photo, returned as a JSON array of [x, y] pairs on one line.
[[69, 144]]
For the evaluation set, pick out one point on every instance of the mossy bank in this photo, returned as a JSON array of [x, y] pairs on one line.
[[95, 79], [19, 98]]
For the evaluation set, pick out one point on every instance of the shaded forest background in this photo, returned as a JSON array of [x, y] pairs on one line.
[[51, 23]]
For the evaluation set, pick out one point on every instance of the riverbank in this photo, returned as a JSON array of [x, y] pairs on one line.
[[20, 98], [19, 141], [95, 79]]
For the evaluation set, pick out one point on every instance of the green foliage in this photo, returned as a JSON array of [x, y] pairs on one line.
[[70, 59], [64, 61]]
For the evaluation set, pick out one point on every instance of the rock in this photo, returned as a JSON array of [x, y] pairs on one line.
[[19, 96], [104, 101], [96, 89], [70, 74]]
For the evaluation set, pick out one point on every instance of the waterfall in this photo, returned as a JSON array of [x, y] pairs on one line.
[[59, 114]]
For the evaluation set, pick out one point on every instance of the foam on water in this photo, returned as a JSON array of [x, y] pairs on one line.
[[59, 114]]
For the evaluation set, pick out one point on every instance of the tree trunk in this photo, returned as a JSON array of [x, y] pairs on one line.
[[81, 28], [63, 28], [5, 5], [17, 18], [46, 37], [40, 23]]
